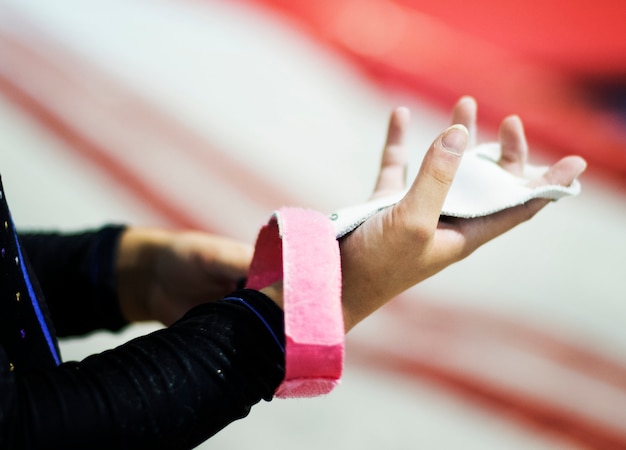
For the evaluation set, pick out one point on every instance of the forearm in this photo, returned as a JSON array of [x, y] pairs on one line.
[[135, 268], [162, 274]]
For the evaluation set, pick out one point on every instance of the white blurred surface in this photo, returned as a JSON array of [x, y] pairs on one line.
[[309, 124]]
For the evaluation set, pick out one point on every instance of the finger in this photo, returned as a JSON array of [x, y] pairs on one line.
[[425, 199], [464, 113], [514, 146], [563, 173], [392, 174]]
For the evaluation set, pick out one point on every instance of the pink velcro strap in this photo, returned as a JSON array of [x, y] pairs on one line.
[[299, 246]]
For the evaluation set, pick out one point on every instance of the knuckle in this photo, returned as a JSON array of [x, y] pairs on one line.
[[416, 230], [442, 176]]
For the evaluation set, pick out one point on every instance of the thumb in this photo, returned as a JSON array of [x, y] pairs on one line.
[[430, 188]]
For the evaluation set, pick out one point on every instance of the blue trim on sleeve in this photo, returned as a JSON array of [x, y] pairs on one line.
[[35, 302], [261, 318]]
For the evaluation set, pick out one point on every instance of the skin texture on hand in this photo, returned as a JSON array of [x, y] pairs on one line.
[[409, 242], [162, 274]]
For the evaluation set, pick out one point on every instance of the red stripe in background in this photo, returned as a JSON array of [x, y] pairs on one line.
[[545, 344], [135, 116], [585, 37], [542, 415], [538, 415], [401, 48], [90, 150], [423, 336]]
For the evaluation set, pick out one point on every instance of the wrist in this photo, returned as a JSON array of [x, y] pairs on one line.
[[275, 293]]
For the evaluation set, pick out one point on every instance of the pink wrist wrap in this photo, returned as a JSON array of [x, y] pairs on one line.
[[300, 247]]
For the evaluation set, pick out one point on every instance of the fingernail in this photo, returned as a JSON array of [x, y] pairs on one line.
[[455, 139]]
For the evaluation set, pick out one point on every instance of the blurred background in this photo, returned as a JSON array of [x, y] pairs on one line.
[[210, 114]]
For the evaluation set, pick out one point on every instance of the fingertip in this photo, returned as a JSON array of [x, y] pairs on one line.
[[564, 171], [514, 118], [576, 165], [397, 126], [403, 110], [511, 126], [466, 110], [468, 99], [402, 116], [464, 113], [454, 139]]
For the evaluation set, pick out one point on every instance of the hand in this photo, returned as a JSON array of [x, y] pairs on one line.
[[162, 274], [409, 242]]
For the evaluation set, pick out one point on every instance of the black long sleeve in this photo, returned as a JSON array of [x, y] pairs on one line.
[[168, 390], [75, 273]]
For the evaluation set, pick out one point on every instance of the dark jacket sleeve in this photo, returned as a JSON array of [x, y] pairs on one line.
[[171, 389], [75, 273]]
